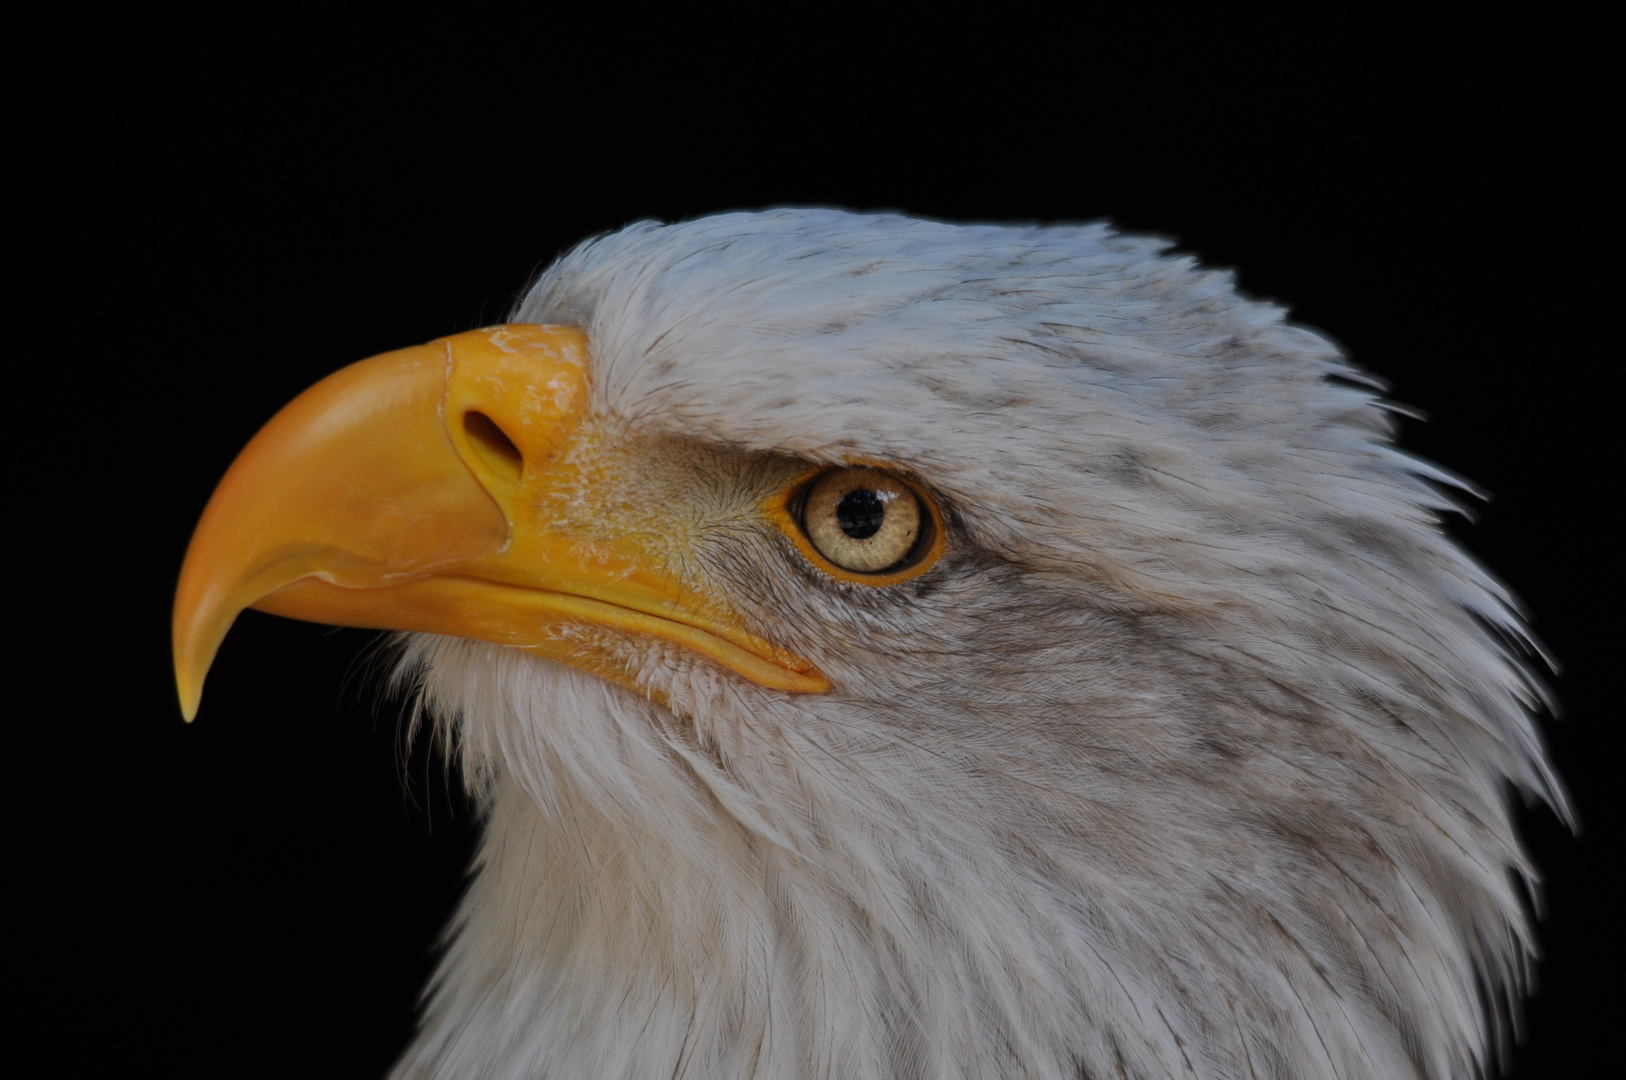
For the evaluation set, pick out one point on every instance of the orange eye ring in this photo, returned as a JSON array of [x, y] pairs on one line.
[[786, 510]]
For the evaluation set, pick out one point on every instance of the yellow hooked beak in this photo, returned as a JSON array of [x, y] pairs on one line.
[[419, 490]]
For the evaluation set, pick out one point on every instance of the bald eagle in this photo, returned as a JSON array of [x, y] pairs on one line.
[[885, 648]]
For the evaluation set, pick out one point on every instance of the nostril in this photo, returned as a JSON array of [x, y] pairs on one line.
[[495, 449]]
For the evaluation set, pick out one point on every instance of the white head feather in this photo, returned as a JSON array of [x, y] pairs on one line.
[[1189, 758]]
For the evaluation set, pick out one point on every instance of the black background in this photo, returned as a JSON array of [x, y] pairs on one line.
[[218, 215]]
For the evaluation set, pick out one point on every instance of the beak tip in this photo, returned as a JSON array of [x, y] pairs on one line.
[[191, 694], [192, 667]]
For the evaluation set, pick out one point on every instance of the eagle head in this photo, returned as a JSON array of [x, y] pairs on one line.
[[884, 648]]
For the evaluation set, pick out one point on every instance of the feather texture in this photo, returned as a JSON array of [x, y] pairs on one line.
[[1190, 758]]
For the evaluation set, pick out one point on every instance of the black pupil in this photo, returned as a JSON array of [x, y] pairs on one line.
[[859, 514]]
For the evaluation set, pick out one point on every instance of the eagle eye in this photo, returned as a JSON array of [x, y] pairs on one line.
[[866, 522]]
